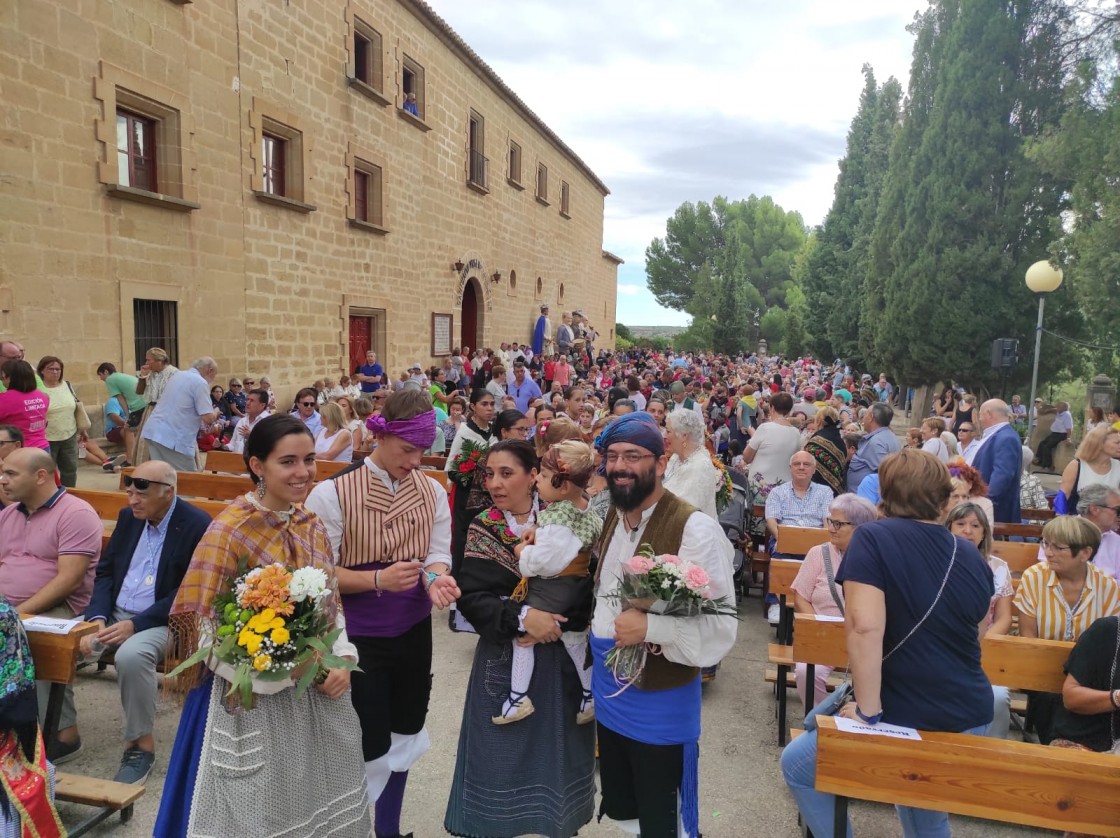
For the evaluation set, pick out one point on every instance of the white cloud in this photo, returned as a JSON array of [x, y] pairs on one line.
[[670, 102]]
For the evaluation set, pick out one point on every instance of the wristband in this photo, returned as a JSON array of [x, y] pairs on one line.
[[430, 577], [377, 581], [869, 720], [1112, 697]]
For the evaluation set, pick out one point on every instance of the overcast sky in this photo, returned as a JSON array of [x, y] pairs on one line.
[[670, 102]]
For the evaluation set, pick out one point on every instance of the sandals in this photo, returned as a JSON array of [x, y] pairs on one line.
[[517, 707]]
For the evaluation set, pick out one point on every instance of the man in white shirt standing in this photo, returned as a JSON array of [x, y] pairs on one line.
[[172, 430], [1060, 430]]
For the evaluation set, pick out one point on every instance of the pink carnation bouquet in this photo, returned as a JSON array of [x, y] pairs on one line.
[[666, 585]]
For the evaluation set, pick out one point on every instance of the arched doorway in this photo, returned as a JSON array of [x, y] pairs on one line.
[[471, 316]]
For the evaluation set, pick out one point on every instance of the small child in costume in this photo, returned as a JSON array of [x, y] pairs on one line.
[[554, 559]]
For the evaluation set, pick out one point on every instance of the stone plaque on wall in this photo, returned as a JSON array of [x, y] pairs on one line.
[[441, 334]]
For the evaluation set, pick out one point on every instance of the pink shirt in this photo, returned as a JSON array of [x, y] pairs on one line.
[[812, 583], [31, 544], [562, 374], [28, 412]]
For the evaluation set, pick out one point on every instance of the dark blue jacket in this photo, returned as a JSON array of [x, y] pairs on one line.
[[184, 531], [1000, 463]]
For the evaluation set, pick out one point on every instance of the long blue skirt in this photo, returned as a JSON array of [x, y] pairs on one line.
[[532, 777]]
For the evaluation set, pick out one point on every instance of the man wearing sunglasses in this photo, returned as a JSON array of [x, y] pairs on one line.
[[135, 584], [50, 548], [172, 429]]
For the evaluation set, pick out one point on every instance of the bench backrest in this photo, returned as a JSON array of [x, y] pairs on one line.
[[205, 485], [797, 541], [782, 574], [1037, 514], [226, 461], [1020, 663], [1019, 555], [1016, 782], [1002, 530], [109, 504], [439, 476], [433, 461], [325, 469]]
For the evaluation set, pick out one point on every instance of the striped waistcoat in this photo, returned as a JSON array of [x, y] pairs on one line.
[[378, 526]]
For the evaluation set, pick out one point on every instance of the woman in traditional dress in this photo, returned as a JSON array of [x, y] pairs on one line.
[[828, 449], [232, 773], [536, 777], [26, 778]]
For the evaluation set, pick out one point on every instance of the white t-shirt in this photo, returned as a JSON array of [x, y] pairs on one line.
[[1087, 477], [774, 444], [324, 442], [935, 446]]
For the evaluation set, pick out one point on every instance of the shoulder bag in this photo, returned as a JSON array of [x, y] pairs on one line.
[[81, 418]]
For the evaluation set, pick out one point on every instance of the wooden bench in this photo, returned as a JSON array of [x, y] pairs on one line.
[[1014, 782], [109, 504], [1018, 663], [1037, 514], [205, 485], [433, 462], [782, 574], [1002, 530], [797, 541], [1019, 555], [325, 469], [56, 661], [226, 462]]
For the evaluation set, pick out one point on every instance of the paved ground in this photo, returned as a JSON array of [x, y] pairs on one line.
[[742, 793]]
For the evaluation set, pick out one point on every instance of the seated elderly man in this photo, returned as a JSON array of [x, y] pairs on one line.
[[49, 545], [136, 582], [1097, 504], [801, 502]]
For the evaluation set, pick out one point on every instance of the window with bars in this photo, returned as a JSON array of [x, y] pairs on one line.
[[136, 151], [155, 323], [273, 150]]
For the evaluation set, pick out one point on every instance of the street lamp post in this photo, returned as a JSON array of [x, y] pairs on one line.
[[1042, 278]]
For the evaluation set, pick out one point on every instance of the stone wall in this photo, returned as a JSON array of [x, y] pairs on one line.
[[267, 287]]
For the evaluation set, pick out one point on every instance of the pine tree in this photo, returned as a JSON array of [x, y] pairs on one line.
[[964, 212]]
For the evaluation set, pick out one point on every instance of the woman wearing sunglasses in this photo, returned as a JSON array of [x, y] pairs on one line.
[[210, 788]]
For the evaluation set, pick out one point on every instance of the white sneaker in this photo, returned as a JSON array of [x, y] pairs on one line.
[[774, 614]]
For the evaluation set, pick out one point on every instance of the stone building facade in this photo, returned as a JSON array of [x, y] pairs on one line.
[[242, 178]]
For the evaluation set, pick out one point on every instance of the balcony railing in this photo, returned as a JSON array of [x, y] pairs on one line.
[[478, 166]]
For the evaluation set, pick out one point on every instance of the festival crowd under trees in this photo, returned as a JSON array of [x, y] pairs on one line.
[[1003, 150]]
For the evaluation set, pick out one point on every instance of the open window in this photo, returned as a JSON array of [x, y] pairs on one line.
[[413, 101], [366, 190], [279, 154], [367, 59]]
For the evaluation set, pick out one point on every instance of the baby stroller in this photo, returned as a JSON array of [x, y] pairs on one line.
[[733, 519]]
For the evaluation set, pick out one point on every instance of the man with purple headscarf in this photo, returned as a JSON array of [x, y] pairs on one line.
[[649, 729], [390, 530]]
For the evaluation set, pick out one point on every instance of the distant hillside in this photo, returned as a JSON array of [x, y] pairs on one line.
[[657, 331]]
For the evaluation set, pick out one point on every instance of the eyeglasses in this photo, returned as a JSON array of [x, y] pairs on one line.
[[250, 383], [307, 404], [629, 457], [1050, 546], [140, 483], [519, 430], [234, 385], [834, 524], [966, 430]]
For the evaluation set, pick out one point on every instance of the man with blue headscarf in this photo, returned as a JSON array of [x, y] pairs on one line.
[[649, 732]]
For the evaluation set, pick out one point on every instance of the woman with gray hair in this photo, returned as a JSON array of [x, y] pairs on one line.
[[815, 590], [690, 475]]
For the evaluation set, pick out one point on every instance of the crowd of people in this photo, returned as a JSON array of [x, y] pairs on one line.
[[563, 461]]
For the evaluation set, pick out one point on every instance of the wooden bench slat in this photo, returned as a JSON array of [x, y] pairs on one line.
[[782, 574], [778, 654], [1000, 529], [56, 655], [95, 791], [1019, 555], [227, 462], [1015, 782], [797, 541]]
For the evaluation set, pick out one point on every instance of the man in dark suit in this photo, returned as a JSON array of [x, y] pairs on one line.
[[136, 582], [1000, 460]]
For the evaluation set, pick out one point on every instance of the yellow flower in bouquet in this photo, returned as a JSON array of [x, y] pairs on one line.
[[280, 636], [265, 621], [262, 662], [250, 640]]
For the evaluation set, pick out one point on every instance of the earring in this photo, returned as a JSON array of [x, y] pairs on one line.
[[260, 488]]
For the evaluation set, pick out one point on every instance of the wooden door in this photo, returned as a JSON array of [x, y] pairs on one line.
[[361, 340]]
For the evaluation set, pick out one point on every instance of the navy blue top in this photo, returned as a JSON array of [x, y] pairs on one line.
[[371, 369], [934, 682]]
